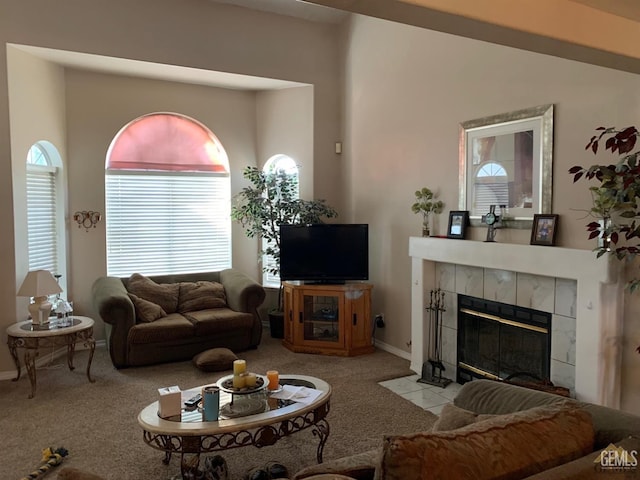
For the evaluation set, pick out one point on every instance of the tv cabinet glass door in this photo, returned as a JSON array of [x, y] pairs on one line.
[[320, 317]]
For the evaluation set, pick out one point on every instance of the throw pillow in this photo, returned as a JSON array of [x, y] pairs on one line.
[[507, 447], [165, 294], [452, 417], [194, 296], [146, 311], [215, 360]]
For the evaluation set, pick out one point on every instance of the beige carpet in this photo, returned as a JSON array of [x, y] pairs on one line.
[[97, 422]]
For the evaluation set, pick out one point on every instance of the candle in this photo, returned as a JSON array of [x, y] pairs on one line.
[[250, 380], [239, 366], [272, 375], [238, 381]]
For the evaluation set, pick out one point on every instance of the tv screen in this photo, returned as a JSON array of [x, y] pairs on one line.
[[326, 253]]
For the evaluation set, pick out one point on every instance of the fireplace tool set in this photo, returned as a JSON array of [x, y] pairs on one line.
[[432, 370]]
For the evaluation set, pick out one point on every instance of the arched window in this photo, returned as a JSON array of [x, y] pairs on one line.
[[491, 187], [286, 164], [167, 198], [44, 211]]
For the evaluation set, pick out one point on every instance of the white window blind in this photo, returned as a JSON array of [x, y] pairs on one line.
[[41, 218], [167, 222]]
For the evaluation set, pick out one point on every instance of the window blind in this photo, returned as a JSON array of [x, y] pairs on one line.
[[161, 223], [41, 218]]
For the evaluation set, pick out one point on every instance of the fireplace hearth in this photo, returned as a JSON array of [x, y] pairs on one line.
[[497, 340]]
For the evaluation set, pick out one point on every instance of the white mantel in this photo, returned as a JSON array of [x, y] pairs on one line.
[[599, 304]]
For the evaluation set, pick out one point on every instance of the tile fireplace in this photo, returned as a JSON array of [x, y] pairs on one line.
[[539, 278]]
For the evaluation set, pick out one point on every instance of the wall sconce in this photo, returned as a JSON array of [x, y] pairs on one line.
[[87, 219]]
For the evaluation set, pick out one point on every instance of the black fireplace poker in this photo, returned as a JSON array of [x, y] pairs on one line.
[[433, 368]]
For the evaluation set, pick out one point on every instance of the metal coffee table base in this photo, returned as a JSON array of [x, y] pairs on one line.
[[190, 447]]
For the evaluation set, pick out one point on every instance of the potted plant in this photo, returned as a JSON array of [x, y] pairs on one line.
[[615, 196], [272, 200], [426, 205]]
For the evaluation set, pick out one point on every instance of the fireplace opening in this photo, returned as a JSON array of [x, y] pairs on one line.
[[497, 340]]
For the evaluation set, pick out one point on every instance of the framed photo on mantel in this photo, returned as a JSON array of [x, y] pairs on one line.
[[458, 222], [544, 230]]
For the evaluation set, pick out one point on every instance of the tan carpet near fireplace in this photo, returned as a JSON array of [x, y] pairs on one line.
[[97, 422]]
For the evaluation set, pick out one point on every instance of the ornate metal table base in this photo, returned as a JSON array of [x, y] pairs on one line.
[[190, 447], [31, 345]]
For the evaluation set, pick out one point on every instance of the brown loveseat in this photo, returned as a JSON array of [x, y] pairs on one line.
[[497, 430], [173, 317]]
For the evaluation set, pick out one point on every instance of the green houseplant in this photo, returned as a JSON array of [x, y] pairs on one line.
[[426, 204], [615, 196], [270, 201]]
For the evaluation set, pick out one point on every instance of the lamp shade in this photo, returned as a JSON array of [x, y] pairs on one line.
[[39, 283]]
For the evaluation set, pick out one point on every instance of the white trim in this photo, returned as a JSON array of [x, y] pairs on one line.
[[391, 349]]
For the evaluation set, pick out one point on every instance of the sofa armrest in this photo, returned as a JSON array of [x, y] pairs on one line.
[[493, 397], [111, 300], [243, 293]]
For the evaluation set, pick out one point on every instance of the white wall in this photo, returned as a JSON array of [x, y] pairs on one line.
[[407, 90]]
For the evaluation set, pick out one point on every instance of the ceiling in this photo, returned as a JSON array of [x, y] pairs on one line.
[[629, 9], [292, 8]]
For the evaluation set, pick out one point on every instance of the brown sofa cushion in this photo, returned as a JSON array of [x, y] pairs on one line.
[[452, 417], [505, 447], [166, 329], [165, 294], [146, 311], [201, 295], [215, 360], [219, 320]]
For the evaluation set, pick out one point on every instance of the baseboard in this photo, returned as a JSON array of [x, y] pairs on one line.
[[395, 351], [43, 359]]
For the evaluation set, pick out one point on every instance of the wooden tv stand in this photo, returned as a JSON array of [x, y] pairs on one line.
[[328, 319]]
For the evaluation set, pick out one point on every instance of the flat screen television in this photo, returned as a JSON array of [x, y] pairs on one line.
[[324, 253]]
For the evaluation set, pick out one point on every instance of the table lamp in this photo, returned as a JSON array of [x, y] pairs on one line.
[[39, 284]]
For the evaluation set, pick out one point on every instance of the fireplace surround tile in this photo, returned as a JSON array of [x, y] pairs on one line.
[[446, 276], [450, 314], [470, 280], [563, 339], [566, 295], [564, 375], [500, 286], [535, 291]]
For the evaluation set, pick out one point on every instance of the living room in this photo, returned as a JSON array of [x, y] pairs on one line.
[[393, 94]]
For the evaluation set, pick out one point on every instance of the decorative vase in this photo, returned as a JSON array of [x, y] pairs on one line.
[[425, 225]]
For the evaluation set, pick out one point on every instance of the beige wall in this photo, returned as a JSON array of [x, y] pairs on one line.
[[285, 127], [407, 90], [230, 114], [37, 112]]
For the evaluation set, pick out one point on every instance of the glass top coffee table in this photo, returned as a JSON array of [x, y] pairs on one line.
[[189, 435]]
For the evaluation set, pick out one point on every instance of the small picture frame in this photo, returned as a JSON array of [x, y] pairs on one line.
[[458, 222], [544, 229]]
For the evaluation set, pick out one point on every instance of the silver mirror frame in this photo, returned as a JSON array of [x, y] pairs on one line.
[[545, 115]]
